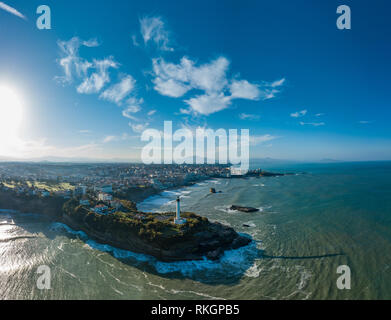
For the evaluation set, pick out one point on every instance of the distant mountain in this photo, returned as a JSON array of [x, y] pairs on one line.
[[68, 159]]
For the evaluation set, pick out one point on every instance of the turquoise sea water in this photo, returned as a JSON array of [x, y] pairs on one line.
[[309, 223]]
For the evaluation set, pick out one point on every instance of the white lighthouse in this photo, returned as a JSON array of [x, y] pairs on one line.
[[178, 219]]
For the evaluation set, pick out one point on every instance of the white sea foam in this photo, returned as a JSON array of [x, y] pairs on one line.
[[225, 209], [201, 184], [58, 226], [305, 275], [233, 261], [253, 271], [250, 224]]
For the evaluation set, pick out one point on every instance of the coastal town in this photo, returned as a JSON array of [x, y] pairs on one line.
[[101, 200], [101, 184], [101, 187]]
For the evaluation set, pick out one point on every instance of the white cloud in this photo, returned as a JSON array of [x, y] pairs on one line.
[[71, 62], [319, 114], [75, 66], [95, 76], [175, 80], [117, 92], [154, 29], [314, 124], [97, 80], [249, 116], [151, 113], [11, 10], [170, 87], [84, 131], [299, 114], [185, 111], [278, 83], [138, 128], [209, 103], [133, 106], [258, 139], [244, 90], [109, 139], [134, 41], [210, 77]]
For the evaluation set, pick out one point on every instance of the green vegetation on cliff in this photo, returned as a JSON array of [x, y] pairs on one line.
[[155, 228]]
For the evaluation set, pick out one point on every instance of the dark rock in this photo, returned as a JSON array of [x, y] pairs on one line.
[[243, 209], [240, 241], [215, 254], [212, 190]]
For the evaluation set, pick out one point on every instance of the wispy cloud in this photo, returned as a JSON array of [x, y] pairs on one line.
[[154, 29], [133, 105], [95, 76], [98, 79], [259, 139], [151, 113], [116, 138], [138, 128], [117, 92], [175, 80], [134, 41], [314, 124], [12, 10], [365, 122], [72, 64], [278, 83], [319, 114], [249, 116], [109, 139], [299, 114]]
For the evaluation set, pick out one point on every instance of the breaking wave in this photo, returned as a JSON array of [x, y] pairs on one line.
[[232, 263]]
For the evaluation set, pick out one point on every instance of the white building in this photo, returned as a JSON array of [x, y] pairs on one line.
[[104, 197], [238, 171]]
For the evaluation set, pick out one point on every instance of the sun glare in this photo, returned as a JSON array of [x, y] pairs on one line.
[[10, 113]]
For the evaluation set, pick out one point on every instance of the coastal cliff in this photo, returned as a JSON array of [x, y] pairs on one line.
[[49, 206], [156, 235], [152, 234]]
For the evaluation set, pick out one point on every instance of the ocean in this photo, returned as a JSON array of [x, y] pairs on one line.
[[309, 223]]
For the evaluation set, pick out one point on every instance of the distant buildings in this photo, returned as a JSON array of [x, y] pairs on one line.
[[80, 191]]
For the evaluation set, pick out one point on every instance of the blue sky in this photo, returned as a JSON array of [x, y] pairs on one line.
[[108, 70]]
